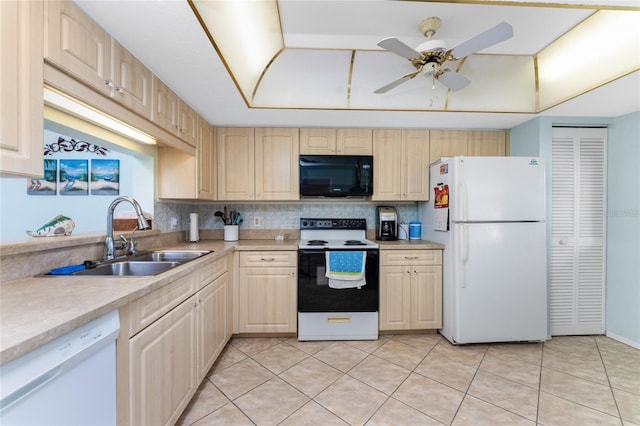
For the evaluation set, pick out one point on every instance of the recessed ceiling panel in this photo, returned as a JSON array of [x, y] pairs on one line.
[[305, 79], [360, 24], [498, 83], [372, 70]]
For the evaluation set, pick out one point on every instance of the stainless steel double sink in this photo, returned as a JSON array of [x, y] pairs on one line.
[[145, 263]]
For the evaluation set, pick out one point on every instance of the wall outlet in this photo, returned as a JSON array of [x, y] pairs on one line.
[[256, 221], [174, 223]]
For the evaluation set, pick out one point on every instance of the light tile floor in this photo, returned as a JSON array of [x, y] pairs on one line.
[[420, 379]]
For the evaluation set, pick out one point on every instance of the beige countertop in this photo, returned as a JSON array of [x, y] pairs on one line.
[[36, 310]]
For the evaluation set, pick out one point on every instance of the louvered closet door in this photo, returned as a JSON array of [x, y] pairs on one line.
[[578, 227]]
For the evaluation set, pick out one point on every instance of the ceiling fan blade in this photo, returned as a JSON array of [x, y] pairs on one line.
[[394, 45], [396, 83], [453, 80], [500, 32]]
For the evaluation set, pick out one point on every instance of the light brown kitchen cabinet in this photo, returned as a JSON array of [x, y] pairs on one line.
[[131, 81], [400, 165], [21, 106], [320, 141], [487, 143], [277, 170], [163, 367], [84, 50], [188, 121], [257, 164], [235, 159], [182, 175], [78, 45], [267, 292], [451, 143], [166, 105], [410, 289], [169, 339]]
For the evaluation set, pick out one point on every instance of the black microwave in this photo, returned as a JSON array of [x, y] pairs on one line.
[[336, 175]]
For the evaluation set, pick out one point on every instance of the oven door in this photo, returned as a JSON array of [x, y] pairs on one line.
[[315, 295]]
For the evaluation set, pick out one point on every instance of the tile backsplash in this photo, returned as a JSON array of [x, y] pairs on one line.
[[277, 215]]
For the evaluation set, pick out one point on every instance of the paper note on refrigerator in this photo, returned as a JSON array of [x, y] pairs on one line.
[[441, 219]]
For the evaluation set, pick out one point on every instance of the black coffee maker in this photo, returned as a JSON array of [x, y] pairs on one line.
[[386, 223]]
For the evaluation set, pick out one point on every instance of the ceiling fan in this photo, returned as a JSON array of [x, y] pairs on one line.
[[428, 58]]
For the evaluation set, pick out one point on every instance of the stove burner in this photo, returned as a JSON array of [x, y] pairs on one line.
[[354, 243], [316, 242]]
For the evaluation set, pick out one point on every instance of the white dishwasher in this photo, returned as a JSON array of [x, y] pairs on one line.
[[69, 381]]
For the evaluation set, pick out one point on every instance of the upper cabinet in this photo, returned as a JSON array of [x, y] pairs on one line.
[[21, 104], [450, 143], [131, 81], [257, 164], [401, 165], [82, 49], [77, 45], [492, 144], [336, 141], [185, 176], [276, 163]]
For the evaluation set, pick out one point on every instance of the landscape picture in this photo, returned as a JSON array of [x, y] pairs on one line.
[[74, 177], [45, 185], [105, 177]]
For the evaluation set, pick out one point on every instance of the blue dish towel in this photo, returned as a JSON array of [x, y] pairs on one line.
[[345, 269]]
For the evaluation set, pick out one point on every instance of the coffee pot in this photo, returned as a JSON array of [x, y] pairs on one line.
[[386, 223]]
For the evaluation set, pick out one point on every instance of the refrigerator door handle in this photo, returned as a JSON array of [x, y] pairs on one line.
[[464, 255]]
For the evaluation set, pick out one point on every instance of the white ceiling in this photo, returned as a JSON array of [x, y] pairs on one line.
[[167, 37]]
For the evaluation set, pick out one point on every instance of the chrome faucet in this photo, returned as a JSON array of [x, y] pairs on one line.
[[111, 245]]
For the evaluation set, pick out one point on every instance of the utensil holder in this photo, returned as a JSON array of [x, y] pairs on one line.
[[231, 232]]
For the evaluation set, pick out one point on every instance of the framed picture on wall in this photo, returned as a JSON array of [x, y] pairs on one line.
[[45, 185], [105, 177], [74, 177]]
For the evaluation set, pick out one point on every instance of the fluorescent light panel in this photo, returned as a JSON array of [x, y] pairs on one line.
[[92, 115]]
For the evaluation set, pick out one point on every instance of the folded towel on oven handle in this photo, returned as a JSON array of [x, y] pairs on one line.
[[345, 269]]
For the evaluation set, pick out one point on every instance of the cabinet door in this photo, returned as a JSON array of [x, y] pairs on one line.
[[277, 174], [235, 153], [426, 297], [162, 364], [387, 160], [354, 142], [165, 106], [212, 324], [131, 81], [176, 174], [78, 45], [395, 298], [447, 143], [205, 151], [415, 165], [267, 300], [21, 103], [317, 141], [492, 144], [188, 121]]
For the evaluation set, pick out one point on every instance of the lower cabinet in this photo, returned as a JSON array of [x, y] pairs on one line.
[[267, 292], [410, 289], [169, 340]]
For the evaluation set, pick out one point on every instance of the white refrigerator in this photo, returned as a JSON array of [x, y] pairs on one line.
[[489, 212]]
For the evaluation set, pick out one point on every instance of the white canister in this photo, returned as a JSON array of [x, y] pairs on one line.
[[231, 232], [403, 231], [415, 230]]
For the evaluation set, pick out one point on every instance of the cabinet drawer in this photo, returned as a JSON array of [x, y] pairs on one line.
[[149, 308], [263, 259], [410, 257], [211, 271]]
